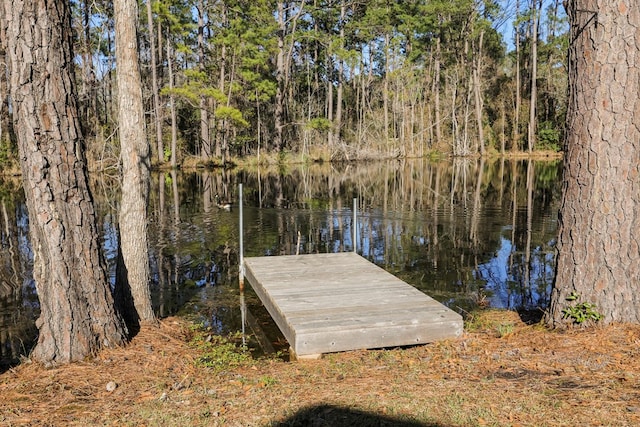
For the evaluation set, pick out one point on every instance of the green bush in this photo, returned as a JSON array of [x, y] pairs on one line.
[[549, 137], [581, 312], [320, 124]]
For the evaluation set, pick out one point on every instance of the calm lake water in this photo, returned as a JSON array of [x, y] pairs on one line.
[[467, 232]]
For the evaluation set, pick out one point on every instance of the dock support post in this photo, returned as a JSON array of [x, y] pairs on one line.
[[240, 238], [355, 225]]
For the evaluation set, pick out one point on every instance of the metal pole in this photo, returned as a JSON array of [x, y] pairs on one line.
[[355, 228], [243, 317], [241, 250]]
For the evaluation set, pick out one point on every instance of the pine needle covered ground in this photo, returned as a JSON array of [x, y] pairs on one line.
[[501, 372]]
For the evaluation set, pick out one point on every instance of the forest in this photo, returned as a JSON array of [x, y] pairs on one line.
[[323, 79]]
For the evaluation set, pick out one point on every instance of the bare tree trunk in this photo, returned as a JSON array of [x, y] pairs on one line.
[[458, 149], [172, 108], [516, 120], [385, 90], [88, 75], [107, 87], [77, 315], [477, 92], [468, 76], [279, 101], [205, 138], [599, 255], [135, 155], [330, 98], [436, 92], [221, 86], [154, 85], [338, 117], [534, 76], [503, 136], [5, 121]]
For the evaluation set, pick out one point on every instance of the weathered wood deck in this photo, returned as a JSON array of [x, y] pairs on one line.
[[326, 303]]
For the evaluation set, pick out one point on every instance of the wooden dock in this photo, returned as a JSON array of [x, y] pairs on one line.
[[327, 303]]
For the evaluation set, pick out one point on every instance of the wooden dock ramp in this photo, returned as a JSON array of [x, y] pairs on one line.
[[327, 303]]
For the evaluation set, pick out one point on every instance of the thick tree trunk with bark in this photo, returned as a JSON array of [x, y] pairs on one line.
[[599, 244], [77, 313], [135, 154]]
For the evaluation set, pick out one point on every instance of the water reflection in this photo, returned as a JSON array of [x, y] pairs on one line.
[[18, 300], [466, 232]]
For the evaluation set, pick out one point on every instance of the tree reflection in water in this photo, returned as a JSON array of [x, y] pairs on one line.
[[18, 300], [466, 231]]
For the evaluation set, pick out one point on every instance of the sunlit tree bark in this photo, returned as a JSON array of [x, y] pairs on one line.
[[4, 88], [135, 155], [599, 244], [77, 315]]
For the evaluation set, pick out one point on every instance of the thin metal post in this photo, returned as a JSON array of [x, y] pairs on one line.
[[355, 228], [243, 317], [241, 249]]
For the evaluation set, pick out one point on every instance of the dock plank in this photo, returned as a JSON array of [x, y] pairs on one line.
[[337, 302]]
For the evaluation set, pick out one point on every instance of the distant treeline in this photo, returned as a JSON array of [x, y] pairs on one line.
[[336, 79]]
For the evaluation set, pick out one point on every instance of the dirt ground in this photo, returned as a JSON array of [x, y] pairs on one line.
[[501, 372]]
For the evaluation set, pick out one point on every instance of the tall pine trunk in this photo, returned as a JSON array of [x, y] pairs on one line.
[[436, 92], [280, 79], [77, 315], [205, 138], [477, 93], [136, 157], [172, 109], [154, 85], [531, 136], [516, 115], [599, 247], [340, 92], [4, 88]]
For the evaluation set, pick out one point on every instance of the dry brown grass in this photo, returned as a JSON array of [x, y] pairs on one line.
[[500, 373]]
